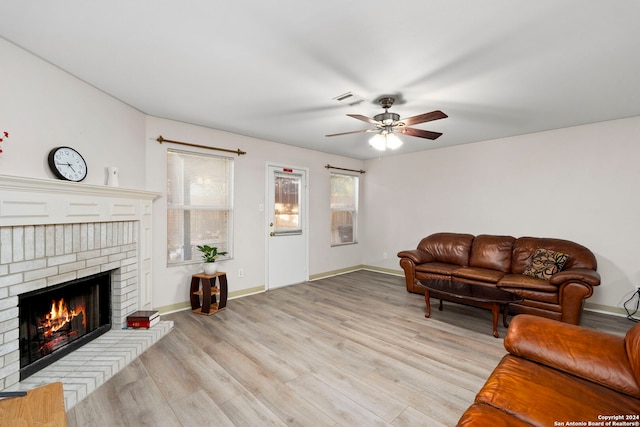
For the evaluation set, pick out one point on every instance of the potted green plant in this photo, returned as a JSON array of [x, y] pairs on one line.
[[209, 255]]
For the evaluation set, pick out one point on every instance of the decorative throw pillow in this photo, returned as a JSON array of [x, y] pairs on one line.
[[545, 263]]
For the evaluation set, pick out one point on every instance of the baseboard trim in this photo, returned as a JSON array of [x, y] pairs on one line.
[[186, 305], [335, 272], [605, 309], [173, 308], [247, 292], [384, 270], [355, 268]]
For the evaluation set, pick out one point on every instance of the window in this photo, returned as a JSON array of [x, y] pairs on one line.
[[344, 209], [287, 204], [199, 205]]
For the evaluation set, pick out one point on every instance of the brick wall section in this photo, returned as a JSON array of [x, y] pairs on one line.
[[39, 256]]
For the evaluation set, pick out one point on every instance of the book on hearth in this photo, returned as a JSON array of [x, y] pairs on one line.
[[143, 315], [143, 324]]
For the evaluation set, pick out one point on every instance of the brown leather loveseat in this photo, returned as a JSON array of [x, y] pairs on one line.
[[553, 276], [558, 374]]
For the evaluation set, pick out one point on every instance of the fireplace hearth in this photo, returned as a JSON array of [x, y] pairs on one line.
[[55, 321]]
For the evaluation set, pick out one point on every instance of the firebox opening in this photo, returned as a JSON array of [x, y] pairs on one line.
[[55, 321]]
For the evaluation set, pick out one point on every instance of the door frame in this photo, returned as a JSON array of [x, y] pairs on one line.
[[305, 217]]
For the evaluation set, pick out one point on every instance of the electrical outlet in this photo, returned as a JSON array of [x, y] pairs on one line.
[[240, 272], [385, 255]]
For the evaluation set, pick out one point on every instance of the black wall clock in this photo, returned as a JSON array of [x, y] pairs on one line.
[[66, 163]]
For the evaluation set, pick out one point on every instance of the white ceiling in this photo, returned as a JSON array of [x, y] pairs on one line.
[[271, 69]]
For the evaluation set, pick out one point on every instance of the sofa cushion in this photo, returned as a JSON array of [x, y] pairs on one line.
[[632, 346], [485, 415], [450, 248], [478, 274], [585, 353], [492, 252], [524, 247], [526, 307], [545, 263], [541, 395], [520, 281], [533, 298], [437, 268]]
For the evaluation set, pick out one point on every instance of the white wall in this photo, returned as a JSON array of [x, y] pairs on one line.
[[171, 284], [43, 107], [578, 183]]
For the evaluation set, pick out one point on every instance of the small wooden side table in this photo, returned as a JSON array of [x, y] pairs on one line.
[[204, 285]]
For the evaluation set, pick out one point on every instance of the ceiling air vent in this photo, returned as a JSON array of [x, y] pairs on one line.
[[349, 98]]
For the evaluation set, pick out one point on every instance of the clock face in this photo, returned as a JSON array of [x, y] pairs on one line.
[[67, 163]]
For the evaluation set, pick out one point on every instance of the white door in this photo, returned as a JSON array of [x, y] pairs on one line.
[[287, 243]]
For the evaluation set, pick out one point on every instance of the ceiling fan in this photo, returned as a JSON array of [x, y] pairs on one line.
[[387, 124]]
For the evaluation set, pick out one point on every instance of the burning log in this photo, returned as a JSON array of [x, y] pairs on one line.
[[60, 325]]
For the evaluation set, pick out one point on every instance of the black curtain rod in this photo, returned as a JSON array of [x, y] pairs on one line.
[[343, 169]]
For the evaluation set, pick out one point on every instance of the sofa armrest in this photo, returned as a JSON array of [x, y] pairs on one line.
[[417, 256], [593, 355], [585, 275]]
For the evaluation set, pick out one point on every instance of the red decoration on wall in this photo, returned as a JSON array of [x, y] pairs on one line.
[[6, 135]]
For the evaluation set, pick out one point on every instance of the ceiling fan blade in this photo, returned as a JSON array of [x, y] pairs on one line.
[[426, 117], [355, 131], [419, 133], [365, 119]]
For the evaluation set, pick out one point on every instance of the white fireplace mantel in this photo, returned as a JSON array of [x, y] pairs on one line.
[[34, 202], [31, 201]]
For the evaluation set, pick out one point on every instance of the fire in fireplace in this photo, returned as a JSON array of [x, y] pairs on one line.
[[55, 321], [61, 325]]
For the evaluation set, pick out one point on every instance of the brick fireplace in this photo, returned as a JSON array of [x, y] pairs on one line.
[[52, 232]]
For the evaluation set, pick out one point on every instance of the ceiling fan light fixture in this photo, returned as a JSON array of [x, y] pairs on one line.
[[393, 141], [378, 141], [385, 140]]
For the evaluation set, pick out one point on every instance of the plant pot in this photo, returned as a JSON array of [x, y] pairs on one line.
[[210, 267]]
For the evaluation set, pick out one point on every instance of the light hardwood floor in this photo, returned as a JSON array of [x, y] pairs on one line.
[[350, 350]]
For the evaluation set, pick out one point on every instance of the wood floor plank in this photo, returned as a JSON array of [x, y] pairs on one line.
[[343, 410], [142, 404], [353, 349], [376, 400], [434, 404], [180, 368], [412, 417], [272, 393], [104, 405], [247, 410], [199, 409], [272, 361]]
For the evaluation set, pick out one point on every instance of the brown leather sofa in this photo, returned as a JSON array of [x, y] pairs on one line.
[[501, 261], [557, 374]]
